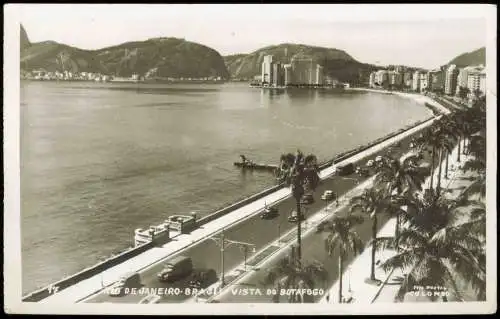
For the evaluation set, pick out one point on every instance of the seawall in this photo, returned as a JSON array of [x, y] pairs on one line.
[[113, 261]]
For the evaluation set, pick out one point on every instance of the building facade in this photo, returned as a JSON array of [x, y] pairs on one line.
[[451, 80], [267, 70], [476, 82], [319, 75], [424, 81], [416, 81], [408, 79], [436, 80], [371, 81], [395, 79], [302, 69]]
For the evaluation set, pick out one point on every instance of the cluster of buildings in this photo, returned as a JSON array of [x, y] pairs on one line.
[[450, 80], [301, 71], [42, 74]]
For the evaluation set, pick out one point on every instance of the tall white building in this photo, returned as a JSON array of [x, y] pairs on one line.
[[424, 81], [450, 81], [416, 81], [371, 81], [476, 81], [267, 69]]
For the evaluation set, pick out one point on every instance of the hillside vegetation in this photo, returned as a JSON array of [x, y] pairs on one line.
[[470, 58], [159, 57], [337, 63]]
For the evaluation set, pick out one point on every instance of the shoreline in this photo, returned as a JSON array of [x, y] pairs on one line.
[[417, 97]]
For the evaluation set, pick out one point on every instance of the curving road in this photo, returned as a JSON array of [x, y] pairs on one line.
[[259, 232]]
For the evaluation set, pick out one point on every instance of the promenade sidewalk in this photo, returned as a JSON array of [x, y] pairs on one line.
[[453, 186], [367, 292]]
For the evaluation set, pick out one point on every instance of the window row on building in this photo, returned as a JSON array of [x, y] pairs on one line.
[[300, 71]]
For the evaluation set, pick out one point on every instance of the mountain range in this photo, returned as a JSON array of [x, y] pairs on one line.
[[157, 57], [173, 57]]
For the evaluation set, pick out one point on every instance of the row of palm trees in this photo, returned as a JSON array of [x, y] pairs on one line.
[[438, 241]]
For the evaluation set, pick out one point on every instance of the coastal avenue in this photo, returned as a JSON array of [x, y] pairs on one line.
[[258, 232]]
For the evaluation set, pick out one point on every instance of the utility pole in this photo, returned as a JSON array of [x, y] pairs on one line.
[[224, 243]]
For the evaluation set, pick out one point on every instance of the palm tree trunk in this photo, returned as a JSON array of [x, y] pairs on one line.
[[458, 153], [438, 186], [432, 166], [397, 231], [299, 235], [340, 276], [374, 246], [446, 167]]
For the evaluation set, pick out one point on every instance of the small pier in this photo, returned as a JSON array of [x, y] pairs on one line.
[[248, 164]]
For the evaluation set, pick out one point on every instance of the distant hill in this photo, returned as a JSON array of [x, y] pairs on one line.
[[160, 57], [25, 42], [471, 58], [53, 56], [337, 63], [163, 57]]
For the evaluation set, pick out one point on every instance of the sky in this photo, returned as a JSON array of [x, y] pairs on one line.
[[409, 34]]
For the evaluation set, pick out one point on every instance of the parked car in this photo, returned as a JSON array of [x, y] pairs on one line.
[[293, 218], [150, 299], [203, 278], [177, 268], [269, 212], [307, 199], [378, 158], [132, 279], [370, 163], [345, 170], [362, 171], [328, 195]]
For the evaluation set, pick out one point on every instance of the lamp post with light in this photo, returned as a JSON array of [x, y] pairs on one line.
[[224, 243]]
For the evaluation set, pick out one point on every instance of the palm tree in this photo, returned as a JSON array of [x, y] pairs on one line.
[[438, 248], [344, 239], [400, 175], [449, 129], [289, 273], [477, 149], [432, 140], [371, 202], [303, 177], [444, 143]]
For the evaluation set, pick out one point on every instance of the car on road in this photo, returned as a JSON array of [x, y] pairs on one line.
[[346, 169], [307, 199], [328, 195], [362, 172], [177, 268], [150, 299], [128, 280], [293, 218], [269, 212], [203, 278]]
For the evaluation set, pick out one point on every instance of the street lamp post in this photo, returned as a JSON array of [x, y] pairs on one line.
[[224, 243]]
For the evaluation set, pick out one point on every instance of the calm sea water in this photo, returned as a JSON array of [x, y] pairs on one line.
[[99, 160]]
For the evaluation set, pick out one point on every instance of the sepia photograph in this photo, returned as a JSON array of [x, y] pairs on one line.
[[250, 159]]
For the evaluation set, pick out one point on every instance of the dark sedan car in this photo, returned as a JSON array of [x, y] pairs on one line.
[[269, 213]]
